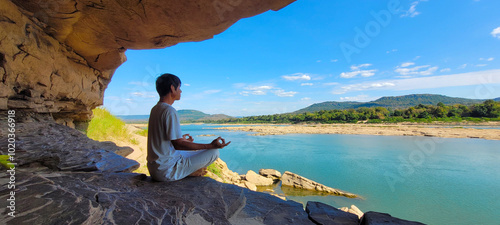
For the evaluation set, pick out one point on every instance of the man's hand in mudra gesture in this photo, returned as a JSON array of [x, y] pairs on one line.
[[219, 143]]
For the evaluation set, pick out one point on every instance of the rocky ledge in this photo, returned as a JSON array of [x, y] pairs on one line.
[[297, 181], [63, 177]]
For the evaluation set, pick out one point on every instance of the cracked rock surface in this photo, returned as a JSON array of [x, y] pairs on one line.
[[47, 197]]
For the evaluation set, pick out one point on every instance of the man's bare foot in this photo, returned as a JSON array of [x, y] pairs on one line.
[[199, 173]]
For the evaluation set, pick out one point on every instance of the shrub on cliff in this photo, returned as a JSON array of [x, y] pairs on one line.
[[105, 126]]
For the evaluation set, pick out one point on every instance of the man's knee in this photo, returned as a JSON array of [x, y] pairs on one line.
[[216, 154]]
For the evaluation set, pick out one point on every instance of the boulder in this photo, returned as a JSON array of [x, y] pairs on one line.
[[354, 210], [123, 151], [258, 179], [300, 182], [226, 174], [376, 218], [65, 149], [250, 185], [270, 173], [322, 213]]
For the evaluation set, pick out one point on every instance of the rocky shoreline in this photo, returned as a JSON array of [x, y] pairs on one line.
[[431, 130], [270, 177], [250, 180]]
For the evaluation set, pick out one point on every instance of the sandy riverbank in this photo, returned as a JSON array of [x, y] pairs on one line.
[[431, 130]]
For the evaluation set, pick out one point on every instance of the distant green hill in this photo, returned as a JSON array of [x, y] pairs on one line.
[[195, 115], [185, 115], [395, 102]]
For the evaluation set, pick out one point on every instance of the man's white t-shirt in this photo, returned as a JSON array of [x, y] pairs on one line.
[[164, 126]]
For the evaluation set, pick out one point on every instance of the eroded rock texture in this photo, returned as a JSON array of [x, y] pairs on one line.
[[59, 56], [47, 197]]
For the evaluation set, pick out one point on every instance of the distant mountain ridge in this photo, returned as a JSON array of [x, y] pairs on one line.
[[394, 102], [185, 115], [195, 115]]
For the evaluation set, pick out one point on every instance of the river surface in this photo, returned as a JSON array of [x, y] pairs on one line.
[[430, 180]]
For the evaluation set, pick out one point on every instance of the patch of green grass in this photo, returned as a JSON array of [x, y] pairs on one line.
[[134, 141], [215, 169], [4, 161], [105, 126], [142, 132]]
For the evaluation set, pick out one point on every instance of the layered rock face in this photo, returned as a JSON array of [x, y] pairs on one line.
[[59, 56]]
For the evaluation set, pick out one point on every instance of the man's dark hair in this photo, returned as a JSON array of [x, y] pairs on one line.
[[164, 82]]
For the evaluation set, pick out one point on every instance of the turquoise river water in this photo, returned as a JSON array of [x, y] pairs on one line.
[[430, 180]]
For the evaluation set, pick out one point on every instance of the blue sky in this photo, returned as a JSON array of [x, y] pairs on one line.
[[316, 51]]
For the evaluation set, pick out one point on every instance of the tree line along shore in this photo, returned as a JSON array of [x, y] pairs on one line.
[[487, 111]]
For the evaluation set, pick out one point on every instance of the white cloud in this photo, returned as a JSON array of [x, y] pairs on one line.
[[412, 11], [487, 59], [357, 70], [424, 70], [256, 90], [358, 67], [496, 32], [259, 88], [481, 65], [334, 60], [462, 66], [331, 83], [283, 93], [187, 85], [305, 99], [356, 98], [306, 84], [297, 76], [407, 64], [479, 78], [445, 70], [318, 61]]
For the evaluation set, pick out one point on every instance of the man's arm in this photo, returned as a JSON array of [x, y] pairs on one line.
[[187, 144]]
